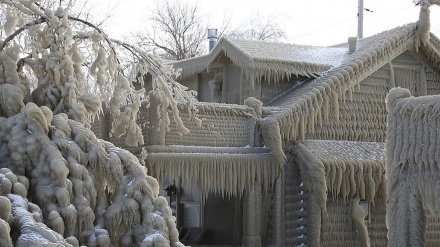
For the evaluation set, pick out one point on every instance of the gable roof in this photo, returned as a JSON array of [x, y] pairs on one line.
[[270, 59], [297, 109], [371, 53]]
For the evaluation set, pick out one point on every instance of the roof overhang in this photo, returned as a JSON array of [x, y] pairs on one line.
[[225, 171], [254, 67]]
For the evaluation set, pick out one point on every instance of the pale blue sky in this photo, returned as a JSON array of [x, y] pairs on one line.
[[317, 22]]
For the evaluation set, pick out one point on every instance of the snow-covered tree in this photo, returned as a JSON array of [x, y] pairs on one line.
[[59, 184]]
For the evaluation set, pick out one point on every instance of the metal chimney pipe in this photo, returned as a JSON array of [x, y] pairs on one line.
[[212, 37]]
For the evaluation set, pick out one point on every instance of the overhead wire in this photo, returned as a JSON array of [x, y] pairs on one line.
[[344, 21], [320, 29]]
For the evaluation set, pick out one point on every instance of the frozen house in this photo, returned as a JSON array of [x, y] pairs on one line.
[[290, 149]]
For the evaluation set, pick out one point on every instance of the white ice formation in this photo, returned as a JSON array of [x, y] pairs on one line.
[[59, 184], [64, 186]]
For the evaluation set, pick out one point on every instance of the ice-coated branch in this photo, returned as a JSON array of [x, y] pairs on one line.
[[425, 2], [109, 42], [18, 31], [55, 72]]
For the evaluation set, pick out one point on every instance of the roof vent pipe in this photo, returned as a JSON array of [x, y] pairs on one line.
[[212, 37], [352, 43]]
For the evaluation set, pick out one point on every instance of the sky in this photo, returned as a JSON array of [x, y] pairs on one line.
[[316, 22]]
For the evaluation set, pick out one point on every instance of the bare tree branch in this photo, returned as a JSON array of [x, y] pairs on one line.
[[259, 28], [178, 30]]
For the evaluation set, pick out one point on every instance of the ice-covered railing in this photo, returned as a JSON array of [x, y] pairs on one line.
[[221, 125], [412, 165]]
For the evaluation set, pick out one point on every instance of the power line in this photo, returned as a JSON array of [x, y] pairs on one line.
[[351, 28], [346, 20], [320, 29]]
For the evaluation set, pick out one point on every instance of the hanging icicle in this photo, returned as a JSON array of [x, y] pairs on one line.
[[223, 173]]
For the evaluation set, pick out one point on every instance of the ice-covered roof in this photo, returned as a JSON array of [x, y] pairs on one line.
[[357, 171], [273, 60], [354, 151], [299, 106], [294, 112], [371, 53], [274, 51]]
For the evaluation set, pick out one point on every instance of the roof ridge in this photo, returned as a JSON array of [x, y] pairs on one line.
[[322, 93], [276, 42]]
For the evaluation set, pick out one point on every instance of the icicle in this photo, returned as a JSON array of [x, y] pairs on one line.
[[326, 106], [424, 155], [350, 93], [351, 175], [345, 183], [335, 105], [358, 216], [340, 170], [371, 184], [302, 128], [311, 123], [361, 182], [391, 82]]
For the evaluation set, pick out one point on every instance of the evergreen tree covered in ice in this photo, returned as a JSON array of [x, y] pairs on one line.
[[59, 184]]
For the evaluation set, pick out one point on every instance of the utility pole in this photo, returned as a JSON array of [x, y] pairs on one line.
[[361, 19]]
